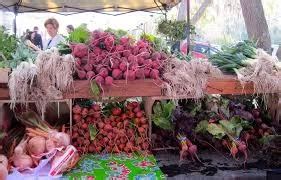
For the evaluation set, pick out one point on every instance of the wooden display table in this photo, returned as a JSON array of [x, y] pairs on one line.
[[147, 88], [4, 75], [120, 88]]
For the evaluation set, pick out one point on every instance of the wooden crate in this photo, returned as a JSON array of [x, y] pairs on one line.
[[4, 75], [120, 88]]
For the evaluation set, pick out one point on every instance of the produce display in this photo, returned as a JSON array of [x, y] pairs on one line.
[[119, 131], [113, 129], [106, 58], [264, 72], [42, 81], [219, 123], [39, 144], [8, 45], [190, 78], [12, 51], [235, 57]]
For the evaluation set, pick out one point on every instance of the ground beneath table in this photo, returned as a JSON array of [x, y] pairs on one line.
[[214, 166]]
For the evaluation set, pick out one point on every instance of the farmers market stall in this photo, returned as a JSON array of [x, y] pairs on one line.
[[104, 130]]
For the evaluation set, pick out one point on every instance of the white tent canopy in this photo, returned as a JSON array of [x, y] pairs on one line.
[[57, 6]]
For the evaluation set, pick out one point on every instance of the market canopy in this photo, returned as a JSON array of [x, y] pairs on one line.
[[75, 6]]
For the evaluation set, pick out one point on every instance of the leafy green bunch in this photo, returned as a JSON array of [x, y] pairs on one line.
[[174, 30], [8, 45]]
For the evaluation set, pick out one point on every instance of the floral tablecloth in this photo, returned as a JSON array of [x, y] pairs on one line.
[[116, 167]]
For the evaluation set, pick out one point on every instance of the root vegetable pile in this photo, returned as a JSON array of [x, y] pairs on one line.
[[43, 81], [107, 58], [40, 142], [187, 78], [264, 72], [124, 130]]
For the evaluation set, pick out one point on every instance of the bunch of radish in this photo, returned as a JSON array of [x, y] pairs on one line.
[[84, 117], [235, 147], [188, 149], [107, 58], [122, 131]]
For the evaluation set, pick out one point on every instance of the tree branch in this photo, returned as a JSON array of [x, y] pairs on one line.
[[200, 11]]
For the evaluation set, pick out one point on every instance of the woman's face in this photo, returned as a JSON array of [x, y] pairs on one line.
[[68, 30], [33, 36], [52, 31]]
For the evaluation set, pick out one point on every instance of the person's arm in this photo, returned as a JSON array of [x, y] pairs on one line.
[[30, 44]]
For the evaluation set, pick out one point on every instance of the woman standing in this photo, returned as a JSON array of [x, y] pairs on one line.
[[69, 29], [29, 41], [52, 27]]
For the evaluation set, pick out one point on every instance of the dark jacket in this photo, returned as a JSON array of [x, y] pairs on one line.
[[38, 41]]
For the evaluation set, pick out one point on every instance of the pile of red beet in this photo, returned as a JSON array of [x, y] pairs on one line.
[[106, 58]]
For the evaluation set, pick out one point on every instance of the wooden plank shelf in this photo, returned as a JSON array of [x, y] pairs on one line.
[[120, 88], [4, 75], [226, 85]]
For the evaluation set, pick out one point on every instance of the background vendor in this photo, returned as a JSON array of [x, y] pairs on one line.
[[52, 27]]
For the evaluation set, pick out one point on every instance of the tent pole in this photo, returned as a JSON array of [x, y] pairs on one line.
[[15, 25], [16, 7], [188, 25]]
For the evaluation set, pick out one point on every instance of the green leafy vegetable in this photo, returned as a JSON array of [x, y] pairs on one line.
[[233, 129], [22, 53], [95, 89], [234, 57], [93, 132], [216, 130], [117, 32], [157, 43], [202, 127], [174, 30], [224, 107], [80, 34], [64, 48], [8, 45], [162, 114]]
